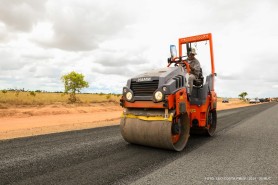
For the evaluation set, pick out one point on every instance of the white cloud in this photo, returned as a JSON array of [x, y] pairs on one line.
[[20, 15], [110, 41]]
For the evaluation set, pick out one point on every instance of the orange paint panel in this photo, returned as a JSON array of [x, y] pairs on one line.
[[203, 115], [171, 101], [143, 104], [202, 123], [199, 112], [181, 96], [196, 38]]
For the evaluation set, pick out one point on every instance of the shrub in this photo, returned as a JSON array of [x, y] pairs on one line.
[[32, 93], [17, 93]]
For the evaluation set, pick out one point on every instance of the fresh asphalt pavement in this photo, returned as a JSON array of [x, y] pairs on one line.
[[246, 153], [244, 150]]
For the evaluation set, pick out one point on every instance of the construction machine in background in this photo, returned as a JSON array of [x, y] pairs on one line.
[[158, 111]]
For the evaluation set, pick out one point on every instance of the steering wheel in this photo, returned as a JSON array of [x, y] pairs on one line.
[[179, 61]]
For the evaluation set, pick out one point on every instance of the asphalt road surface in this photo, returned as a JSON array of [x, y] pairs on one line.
[[244, 150]]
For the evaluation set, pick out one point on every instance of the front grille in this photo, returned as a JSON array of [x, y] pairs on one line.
[[144, 88]]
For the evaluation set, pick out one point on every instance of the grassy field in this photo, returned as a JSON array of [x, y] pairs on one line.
[[42, 98]]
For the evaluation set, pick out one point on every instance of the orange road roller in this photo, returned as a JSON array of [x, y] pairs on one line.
[[159, 111]]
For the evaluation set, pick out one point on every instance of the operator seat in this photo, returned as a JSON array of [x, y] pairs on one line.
[[200, 80]]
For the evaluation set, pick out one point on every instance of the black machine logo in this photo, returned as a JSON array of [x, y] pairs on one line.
[[144, 79]]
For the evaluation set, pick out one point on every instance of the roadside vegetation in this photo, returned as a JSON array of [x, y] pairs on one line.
[[73, 83], [232, 100], [19, 97], [243, 95]]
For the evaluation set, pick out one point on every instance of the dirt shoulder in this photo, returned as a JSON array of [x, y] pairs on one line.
[[24, 121]]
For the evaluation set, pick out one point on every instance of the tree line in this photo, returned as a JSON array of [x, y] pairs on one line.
[[73, 83]]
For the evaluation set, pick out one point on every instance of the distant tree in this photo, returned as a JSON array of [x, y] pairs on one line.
[[4, 91], [74, 82], [243, 95], [17, 93], [32, 93]]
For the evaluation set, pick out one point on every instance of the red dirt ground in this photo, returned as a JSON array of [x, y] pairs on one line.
[[28, 121]]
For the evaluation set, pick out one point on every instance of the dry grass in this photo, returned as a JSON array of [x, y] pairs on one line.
[[40, 98], [233, 103], [232, 100]]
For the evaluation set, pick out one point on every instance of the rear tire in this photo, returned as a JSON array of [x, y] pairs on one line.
[[211, 122]]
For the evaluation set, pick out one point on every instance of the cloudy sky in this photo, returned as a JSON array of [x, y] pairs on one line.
[[110, 41]]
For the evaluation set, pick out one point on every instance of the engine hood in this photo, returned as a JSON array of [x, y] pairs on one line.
[[144, 85], [163, 74]]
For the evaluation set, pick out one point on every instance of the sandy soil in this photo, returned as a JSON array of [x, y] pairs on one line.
[[233, 103], [28, 121]]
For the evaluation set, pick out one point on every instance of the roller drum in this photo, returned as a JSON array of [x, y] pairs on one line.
[[157, 133]]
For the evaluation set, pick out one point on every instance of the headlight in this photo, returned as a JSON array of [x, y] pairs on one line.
[[158, 96], [128, 96]]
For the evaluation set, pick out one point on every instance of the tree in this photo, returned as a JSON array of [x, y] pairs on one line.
[[4, 91], [243, 95], [32, 93], [73, 83]]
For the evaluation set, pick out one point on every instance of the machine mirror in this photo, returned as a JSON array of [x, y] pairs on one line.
[[173, 51]]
